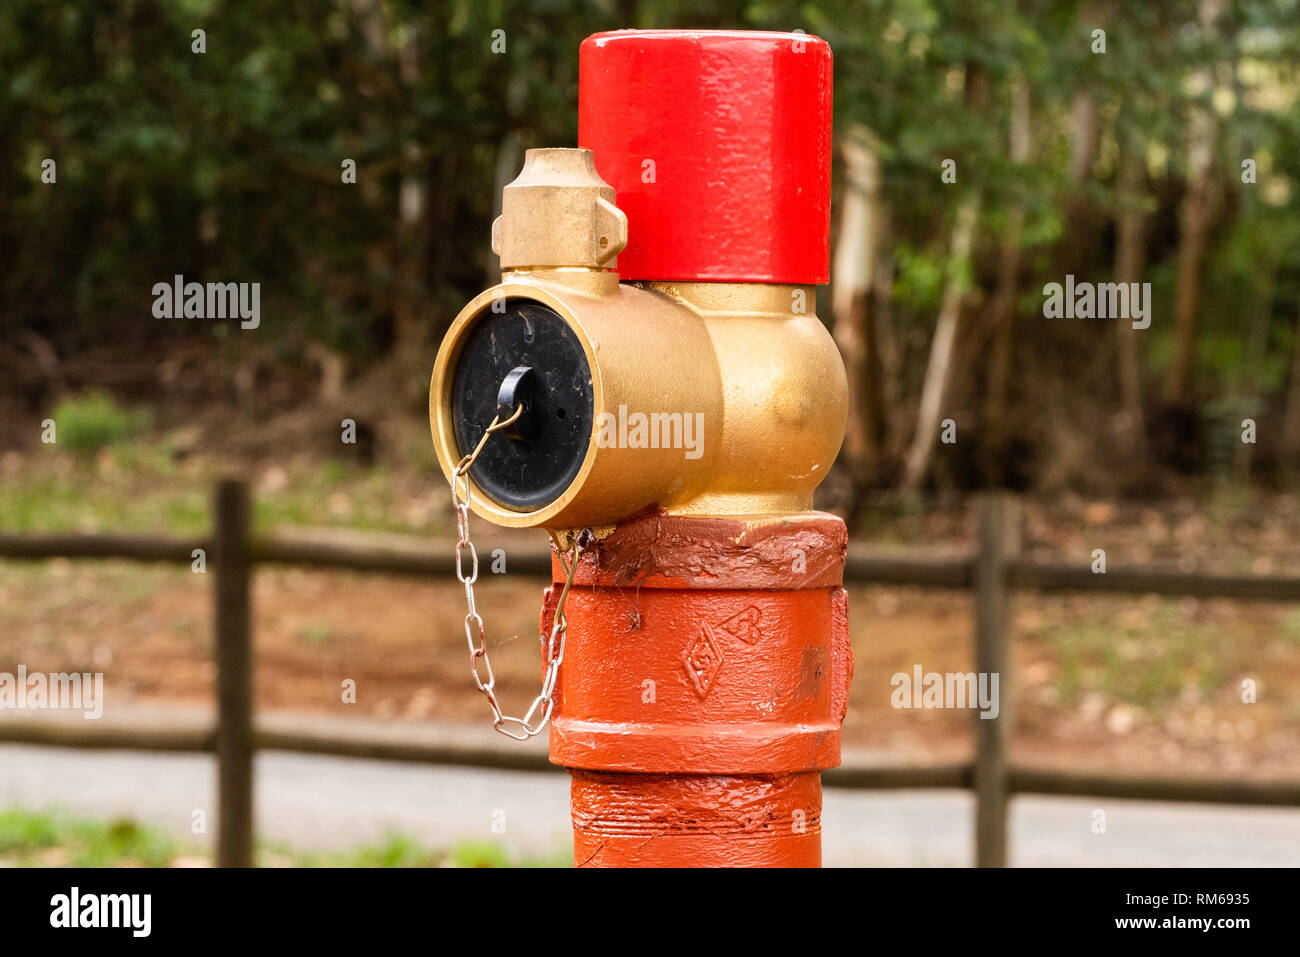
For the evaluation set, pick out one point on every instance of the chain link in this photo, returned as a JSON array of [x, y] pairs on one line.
[[539, 712]]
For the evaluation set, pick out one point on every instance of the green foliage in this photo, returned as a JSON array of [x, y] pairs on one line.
[[398, 850], [23, 831], [91, 421], [40, 838], [226, 165], [480, 854], [28, 837]]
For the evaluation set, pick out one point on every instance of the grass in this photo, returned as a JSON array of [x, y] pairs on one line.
[[1291, 626], [1139, 664], [86, 423], [400, 851], [134, 486], [81, 503], [42, 838], [317, 634], [107, 470]]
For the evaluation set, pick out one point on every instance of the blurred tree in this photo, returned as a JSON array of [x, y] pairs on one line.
[[1090, 137], [1195, 213]]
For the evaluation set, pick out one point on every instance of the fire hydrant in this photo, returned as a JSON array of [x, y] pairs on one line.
[[649, 382]]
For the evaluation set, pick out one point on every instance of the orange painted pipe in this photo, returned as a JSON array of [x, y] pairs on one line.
[[704, 683]]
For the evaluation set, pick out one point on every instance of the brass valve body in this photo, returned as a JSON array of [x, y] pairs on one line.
[[750, 364]]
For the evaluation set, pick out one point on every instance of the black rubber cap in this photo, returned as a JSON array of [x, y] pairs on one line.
[[527, 354]]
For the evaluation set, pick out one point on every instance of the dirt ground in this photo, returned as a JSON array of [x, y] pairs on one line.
[[1126, 683], [1122, 683]]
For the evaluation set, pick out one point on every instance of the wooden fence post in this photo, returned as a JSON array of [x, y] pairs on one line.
[[231, 613], [997, 543]]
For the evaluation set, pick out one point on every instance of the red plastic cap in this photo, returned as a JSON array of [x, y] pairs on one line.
[[718, 143]]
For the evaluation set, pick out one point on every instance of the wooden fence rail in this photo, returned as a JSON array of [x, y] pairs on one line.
[[992, 571]]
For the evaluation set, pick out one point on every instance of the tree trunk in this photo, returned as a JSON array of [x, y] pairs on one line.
[[1083, 136], [410, 305], [1130, 255], [855, 260], [1194, 223], [1291, 423], [1078, 217], [882, 301], [1003, 308], [939, 369]]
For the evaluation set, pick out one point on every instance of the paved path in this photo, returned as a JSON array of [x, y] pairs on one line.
[[323, 802]]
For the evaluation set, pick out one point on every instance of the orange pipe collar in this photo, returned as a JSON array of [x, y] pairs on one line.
[[704, 683]]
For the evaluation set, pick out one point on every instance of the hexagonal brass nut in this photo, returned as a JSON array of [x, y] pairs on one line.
[[559, 212]]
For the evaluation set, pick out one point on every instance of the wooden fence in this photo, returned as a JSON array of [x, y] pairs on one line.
[[991, 570]]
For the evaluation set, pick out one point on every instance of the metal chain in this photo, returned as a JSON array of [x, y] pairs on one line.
[[521, 729]]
